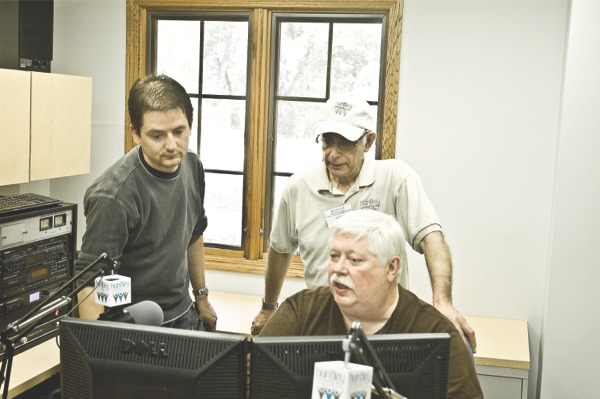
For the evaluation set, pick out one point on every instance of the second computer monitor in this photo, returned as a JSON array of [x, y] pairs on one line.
[[283, 367]]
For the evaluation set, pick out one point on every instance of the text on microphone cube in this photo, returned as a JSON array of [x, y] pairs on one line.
[[113, 290]]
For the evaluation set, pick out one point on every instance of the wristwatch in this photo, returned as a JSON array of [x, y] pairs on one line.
[[201, 291], [269, 306]]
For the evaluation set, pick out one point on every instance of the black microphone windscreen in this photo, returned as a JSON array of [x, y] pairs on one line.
[[146, 312]]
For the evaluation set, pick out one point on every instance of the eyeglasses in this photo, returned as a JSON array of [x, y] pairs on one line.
[[343, 144]]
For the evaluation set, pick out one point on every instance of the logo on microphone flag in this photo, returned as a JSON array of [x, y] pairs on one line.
[[337, 380], [113, 290]]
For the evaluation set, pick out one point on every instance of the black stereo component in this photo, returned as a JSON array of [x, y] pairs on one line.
[[17, 306], [26, 34], [37, 250], [33, 265]]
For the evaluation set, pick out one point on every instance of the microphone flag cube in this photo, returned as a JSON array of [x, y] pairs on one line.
[[113, 290], [338, 380]]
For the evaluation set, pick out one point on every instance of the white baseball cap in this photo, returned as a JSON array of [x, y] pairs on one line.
[[346, 115]]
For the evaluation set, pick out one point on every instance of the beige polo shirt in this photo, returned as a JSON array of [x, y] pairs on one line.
[[309, 202]]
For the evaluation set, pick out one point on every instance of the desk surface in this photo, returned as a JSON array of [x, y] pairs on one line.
[[500, 342], [34, 366]]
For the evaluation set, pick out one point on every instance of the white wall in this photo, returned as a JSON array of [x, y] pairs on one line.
[[479, 102], [570, 341], [480, 119], [89, 40]]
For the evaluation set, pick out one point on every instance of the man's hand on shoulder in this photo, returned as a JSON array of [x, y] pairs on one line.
[[459, 321]]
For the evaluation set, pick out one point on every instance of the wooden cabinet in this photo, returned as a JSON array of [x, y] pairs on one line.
[[502, 359], [503, 382], [45, 126], [15, 106]]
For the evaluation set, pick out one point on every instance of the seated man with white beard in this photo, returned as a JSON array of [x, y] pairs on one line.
[[365, 248]]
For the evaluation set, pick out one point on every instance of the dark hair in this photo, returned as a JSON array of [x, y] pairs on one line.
[[157, 93]]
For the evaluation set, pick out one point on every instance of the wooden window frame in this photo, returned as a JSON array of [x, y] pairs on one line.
[[252, 259]]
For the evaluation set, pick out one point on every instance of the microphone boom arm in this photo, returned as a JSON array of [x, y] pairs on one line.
[[14, 326], [357, 344], [31, 319]]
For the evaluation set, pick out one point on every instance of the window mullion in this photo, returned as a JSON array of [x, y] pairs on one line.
[[200, 84], [257, 137]]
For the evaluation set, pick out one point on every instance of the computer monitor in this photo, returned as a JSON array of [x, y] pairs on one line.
[[417, 364], [113, 360]]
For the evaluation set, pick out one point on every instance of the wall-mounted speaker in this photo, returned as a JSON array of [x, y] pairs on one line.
[[26, 34]]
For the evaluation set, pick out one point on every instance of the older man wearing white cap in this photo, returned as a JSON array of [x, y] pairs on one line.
[[347, 181]]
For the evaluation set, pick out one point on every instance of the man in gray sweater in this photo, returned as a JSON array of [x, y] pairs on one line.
[[147, 211]]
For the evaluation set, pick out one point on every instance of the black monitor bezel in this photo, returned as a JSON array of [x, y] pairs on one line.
[[100, 358], [274, 372]]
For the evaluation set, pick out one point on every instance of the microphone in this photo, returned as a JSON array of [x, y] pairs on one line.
[[146, 313]]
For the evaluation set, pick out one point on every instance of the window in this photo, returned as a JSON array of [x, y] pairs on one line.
[[315, 56], [208, 54], [257, 78]]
